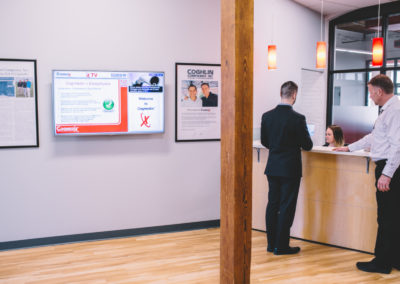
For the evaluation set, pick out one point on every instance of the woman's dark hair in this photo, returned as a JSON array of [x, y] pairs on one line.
[[337, 135]]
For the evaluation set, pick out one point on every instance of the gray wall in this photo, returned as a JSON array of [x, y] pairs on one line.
[[295, 30], [72, 185]]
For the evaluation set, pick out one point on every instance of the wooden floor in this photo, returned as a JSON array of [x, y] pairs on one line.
[[184, 257]]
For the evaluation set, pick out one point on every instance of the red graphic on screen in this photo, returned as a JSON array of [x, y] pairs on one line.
[[145, 120], [91, 75]]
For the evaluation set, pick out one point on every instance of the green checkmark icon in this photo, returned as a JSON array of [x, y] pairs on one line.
[[108, 104]]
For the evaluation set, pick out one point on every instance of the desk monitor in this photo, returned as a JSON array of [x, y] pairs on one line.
[[311, 129]]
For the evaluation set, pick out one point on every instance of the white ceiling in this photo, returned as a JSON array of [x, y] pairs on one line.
[[338, 7]]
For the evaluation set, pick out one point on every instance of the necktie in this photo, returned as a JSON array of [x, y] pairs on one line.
[[379, 113]]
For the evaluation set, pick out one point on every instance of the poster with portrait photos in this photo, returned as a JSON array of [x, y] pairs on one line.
[[197, 102], [18, 104]]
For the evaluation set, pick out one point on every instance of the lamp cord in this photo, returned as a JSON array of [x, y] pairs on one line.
[[322, 9], [379, 13]]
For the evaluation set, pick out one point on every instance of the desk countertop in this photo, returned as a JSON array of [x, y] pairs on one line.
[[323, 150]]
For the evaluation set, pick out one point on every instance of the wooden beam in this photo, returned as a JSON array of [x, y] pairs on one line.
[[236, 139]]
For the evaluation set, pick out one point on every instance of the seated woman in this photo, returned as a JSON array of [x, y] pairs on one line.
[[334, 136]]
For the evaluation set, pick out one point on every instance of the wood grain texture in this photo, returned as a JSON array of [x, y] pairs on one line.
[[236, 139], [179, 258], [336, 202]]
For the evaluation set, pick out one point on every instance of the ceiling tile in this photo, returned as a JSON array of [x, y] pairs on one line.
[[338, 7]]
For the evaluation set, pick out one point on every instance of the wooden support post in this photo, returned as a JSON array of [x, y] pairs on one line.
[[236, 139]]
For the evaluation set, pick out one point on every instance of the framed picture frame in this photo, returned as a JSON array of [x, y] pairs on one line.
[[197, 102], [18, 103]]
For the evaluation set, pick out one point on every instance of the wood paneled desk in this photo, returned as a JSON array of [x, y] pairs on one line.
[[336, 203]]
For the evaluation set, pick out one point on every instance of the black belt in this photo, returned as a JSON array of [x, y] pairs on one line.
[[381, 162]]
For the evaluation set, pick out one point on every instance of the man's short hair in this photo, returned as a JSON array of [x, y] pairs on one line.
[[288, 89], [205, 83], [192, 86], [384, 82]]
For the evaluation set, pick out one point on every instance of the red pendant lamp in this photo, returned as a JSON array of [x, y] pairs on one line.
[[377, 51], [377, 45], [271, 57], [321, 45], [321, 54]]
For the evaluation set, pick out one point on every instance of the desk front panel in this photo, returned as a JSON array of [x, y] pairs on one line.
[[336, 202]]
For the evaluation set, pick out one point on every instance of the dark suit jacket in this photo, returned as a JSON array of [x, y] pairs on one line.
[[284, 132], [211, 101]]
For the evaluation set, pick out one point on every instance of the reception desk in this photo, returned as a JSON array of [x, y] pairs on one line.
[[336, 203]]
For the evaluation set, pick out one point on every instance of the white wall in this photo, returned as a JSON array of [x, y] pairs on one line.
[[73, 185], [295, 30]]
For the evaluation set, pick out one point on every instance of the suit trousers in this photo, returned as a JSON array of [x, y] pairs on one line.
[[279, 216], [387, 246]]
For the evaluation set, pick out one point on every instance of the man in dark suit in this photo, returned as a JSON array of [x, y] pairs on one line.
[[210, 99], [284, 133]]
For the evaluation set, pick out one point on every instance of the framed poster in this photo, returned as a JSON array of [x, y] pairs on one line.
[[18, 104], [197, 102]]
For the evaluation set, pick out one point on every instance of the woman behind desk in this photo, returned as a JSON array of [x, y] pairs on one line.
[[334, 136]]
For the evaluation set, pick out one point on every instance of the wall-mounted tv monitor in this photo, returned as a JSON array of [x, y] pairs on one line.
[[105, 102]]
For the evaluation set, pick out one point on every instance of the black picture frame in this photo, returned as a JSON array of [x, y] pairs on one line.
[[197, 117], [18, 91]]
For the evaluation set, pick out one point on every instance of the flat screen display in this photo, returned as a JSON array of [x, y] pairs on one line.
[[108, 102]]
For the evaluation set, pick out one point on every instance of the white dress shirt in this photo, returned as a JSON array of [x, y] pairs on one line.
[[191, 103], [384, 140]]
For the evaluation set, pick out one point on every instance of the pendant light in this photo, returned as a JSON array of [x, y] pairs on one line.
[[321, 54], [271, 57], [321, 45], [377, 44], [272, 48]]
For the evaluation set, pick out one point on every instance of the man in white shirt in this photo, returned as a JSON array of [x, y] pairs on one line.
[[384, 142]]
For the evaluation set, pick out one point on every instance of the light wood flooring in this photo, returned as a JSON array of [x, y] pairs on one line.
[[183, 257]]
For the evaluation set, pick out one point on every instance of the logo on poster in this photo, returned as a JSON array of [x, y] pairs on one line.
[[200, 73]]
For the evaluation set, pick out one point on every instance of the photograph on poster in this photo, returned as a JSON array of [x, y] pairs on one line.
[[197, 102], [18, 103]]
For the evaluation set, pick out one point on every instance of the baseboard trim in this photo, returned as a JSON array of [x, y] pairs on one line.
[[324, 244], [108, 235]]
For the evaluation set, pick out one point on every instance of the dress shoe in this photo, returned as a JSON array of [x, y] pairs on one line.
[[269, 249], [372, 266], [288, 250], [397, 266]]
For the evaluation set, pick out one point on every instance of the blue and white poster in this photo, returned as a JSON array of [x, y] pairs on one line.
[[18, 103]]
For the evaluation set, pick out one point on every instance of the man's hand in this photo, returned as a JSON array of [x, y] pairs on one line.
[[383, 183], [341, 149]]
